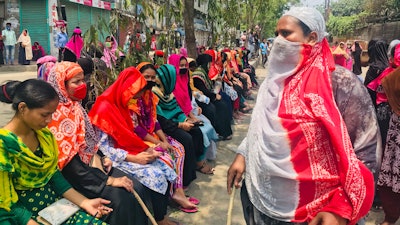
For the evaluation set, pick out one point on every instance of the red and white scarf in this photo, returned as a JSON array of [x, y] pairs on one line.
[[300, 159]]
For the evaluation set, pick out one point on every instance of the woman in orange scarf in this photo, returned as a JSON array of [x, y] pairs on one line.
[[77, 145]]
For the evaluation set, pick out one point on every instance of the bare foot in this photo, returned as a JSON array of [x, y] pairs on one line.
[[180, 198]]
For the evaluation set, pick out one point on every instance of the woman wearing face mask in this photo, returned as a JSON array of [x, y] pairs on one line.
[[187, 102], [169, 108], [118, 140], [298, 155], [201, 80], [144, 115], [77, 142], [30, 179]]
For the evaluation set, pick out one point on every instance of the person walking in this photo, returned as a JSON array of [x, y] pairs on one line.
[[61, 41], [9, 40], [356, 51], [298, 155], [264, 52], [25, 48]]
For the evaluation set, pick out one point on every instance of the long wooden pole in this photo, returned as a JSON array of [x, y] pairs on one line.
[[230, 208], [144, 207]]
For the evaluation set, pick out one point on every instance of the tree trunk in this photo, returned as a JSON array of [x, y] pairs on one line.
[[188, 17]]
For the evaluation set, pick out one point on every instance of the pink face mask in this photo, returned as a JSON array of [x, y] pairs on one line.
[[80, 92]]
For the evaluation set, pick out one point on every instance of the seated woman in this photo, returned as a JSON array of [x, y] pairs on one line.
[[144, 115], [203, 83], [38, 51], [187, 103], [77, 140], [28, 163], [110, 114], [168, 108]]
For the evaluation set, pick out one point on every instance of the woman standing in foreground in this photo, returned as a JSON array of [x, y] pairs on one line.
[[299, 160]]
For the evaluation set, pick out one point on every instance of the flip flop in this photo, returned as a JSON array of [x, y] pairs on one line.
[[210, 171], [186, 210], [193, 200]]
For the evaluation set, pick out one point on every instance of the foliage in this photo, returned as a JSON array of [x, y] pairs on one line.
[[104, 77], [342, 26], [347, 8], [230, 16]]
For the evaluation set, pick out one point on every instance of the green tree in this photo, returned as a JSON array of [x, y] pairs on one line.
[[188, 17]]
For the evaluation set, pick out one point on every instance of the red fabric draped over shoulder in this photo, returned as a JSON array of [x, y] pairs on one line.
[[111, 114]]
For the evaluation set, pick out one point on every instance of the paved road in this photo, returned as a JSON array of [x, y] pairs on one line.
[[5, 109], [211, 190]]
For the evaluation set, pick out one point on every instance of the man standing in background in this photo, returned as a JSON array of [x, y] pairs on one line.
[[9, 40], [61, 41]]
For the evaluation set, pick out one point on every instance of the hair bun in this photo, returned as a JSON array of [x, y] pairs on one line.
[[7, 91]]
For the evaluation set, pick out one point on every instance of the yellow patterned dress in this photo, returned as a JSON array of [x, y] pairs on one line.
[[30, 181]]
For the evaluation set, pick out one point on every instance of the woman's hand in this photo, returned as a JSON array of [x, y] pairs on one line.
[[186, 126], [166, 146], [328, 218], [96, 207], [107, 164], [147, 156], [235, 172], [123, 182]]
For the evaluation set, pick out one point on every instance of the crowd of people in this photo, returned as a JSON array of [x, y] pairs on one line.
[[318, 151], [26, 51], [149, 132]]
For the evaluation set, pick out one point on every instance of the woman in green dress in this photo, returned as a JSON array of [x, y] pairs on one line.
[[29, 177]]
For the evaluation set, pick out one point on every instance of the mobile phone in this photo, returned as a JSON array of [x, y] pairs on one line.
[[199, 123]]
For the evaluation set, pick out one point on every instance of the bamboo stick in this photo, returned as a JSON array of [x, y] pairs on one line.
[[144, 207], [232, 197]]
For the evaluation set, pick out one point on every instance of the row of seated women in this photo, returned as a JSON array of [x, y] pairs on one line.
[[147, 131]]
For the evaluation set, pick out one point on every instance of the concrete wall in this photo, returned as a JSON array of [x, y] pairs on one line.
[[387, 31], [10, 13]]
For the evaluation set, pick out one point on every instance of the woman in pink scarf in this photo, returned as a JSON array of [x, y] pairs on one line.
[[73, 48], [181, 91]]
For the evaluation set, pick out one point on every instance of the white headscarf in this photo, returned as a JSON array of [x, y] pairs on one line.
[[391, 46], [310, 17]]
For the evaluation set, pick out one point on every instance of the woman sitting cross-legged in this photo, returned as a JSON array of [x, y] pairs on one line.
[[111, 114], [29, 156], [77, 142]]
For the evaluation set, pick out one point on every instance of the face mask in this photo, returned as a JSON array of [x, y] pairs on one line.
[[150, 84], [80, 92], [285, 56], [183, 70], [8, 28], [108, 44]]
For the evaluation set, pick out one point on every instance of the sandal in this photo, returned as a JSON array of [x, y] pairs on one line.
[[193, 200], [205, 169], [188, 210]]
